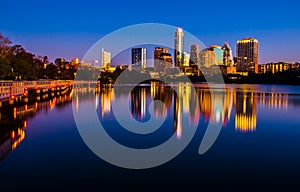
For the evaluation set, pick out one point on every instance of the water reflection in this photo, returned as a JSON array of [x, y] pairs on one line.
[[11, 135], [245, 117], [234, 103], [84, 92], [244, 102], [15, 114]]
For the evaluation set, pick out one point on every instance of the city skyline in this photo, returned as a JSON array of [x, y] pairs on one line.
[[133, 95], [70, 55], [57, 34], [218, 50]]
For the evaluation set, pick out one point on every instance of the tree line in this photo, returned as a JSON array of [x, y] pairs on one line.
[[18, 64]]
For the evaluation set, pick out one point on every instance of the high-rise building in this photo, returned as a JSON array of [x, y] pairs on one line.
[[195, 55], [207, 57], [165, 61], [157, 63], [227, 55], [106, 59], [179, 47], [138, 58], [218, 53], [186, 59], [247, 55]]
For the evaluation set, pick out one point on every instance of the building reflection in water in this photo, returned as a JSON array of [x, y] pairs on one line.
[[164, 94], [107, 97], [139, 103], [184, 103], [14, 116], [220, 106], [245, 117], [84, 92], [216, 107], [274, 100]]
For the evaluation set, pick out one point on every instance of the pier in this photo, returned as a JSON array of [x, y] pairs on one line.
[[13, 89]]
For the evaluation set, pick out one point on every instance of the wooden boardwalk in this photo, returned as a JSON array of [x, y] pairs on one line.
[[12, 89]]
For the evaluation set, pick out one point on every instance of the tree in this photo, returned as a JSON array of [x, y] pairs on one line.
[[51, 71], [4, 46], [25, 65], [5, 69]]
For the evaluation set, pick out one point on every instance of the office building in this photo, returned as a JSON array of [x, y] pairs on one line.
[[165, 61], [247, 55], [207, 57], [218, 53], [106, 59], [227, 55], [194, 55], [158, 67], [138, 58]]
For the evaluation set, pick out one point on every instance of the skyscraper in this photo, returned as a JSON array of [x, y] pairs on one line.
[[218, 53], [106, 59], [207, 57], [247, 55], [179, 47], [227, 55], [195, 55], [138, 58], [157, 63]]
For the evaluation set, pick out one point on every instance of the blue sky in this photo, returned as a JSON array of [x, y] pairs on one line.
[[69, 28]]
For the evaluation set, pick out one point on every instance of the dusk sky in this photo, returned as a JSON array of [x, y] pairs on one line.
[[69, 28]]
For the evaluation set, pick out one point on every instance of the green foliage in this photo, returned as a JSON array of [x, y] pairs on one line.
[[4, 68], [17, 63]]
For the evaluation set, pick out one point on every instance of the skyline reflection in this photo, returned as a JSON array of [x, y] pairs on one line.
[[221, 106]]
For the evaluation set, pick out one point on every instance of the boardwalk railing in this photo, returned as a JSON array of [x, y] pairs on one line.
[[5, 89], [15, 88]]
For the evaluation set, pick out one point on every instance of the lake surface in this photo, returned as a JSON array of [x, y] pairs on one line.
[[257, 146]]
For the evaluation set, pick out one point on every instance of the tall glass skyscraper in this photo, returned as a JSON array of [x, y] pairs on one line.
[[247, 55], [179, 47], [138, 58]]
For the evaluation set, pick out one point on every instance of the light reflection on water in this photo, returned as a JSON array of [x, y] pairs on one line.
[[259, 138], [14, 115], [238, 103]]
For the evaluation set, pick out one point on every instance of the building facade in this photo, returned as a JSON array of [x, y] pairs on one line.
[[194, 55], [106, 59], [207, 58], [158, 67], [218, 53], [275, 67], [179, 47], [247, 55], [227, 55], [138, 58], [165, 62]]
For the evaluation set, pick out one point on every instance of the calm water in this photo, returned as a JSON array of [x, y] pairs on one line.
[[258, 146]]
